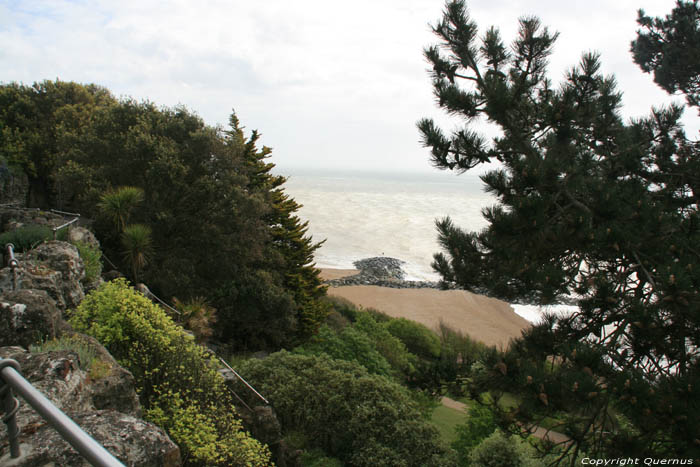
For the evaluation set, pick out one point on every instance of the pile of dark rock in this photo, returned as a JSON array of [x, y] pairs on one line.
[[384, 272]]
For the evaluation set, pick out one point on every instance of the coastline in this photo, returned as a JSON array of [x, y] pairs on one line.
[[488, 320]]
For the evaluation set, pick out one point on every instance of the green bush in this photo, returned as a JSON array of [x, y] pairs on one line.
[[352, 415], [500, 451], [480, 425], [350, 345], [92, 259], [88, 360], [27, 237], [177, 380], [417, 338]]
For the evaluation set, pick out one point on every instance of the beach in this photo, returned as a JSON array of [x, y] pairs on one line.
[[488, 320]]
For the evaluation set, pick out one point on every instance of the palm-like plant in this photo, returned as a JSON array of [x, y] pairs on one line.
[[138, 247], [117, 204]]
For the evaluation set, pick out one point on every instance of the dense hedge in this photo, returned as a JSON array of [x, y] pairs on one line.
[[360, 418], [177, 380]]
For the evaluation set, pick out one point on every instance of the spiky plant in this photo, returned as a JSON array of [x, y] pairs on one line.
[[118, 204], [138, 247]]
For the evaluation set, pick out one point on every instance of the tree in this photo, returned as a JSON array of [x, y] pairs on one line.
[[118, 205], [588, 207], [670, 48], [362, 419], [289, 237]]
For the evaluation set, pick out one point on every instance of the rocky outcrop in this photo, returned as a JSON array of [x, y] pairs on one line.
[[384, 272], [82, 395], [55, 267], [59, 377], [83, 379], [27, 317]]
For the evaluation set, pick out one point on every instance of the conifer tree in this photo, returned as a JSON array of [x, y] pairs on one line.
[[588, 207], [288, 233]]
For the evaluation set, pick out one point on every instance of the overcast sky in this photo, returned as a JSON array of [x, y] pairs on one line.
[[328, 84]]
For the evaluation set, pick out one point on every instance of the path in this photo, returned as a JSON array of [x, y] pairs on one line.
[[539, 432]]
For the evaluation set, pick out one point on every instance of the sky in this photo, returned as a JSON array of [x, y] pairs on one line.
[[329, 84]]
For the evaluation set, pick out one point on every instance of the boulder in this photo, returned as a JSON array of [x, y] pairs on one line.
[[57, 268], [27, 316], [58, 375], [134, 442]]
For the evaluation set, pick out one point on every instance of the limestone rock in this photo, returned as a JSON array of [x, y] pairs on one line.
[[58, 376], [134, 442], [41, 264], [26, 317]]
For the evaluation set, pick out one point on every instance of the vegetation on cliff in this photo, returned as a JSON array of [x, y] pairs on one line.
[[210, 219]]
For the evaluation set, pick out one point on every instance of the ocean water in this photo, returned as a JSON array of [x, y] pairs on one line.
[[361, 215]]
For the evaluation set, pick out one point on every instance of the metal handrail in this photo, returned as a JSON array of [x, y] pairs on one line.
[[95, 453], [56, 229]]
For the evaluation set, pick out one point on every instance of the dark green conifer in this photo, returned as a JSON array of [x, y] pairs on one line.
[[589, 207], [288, 234]]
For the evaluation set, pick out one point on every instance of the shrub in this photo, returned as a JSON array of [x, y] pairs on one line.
[[27, 237], [88, 360], [500, 451], [92, 259], [177, 380], [359, 418], [350, 345], [479, 426], [417, 338]]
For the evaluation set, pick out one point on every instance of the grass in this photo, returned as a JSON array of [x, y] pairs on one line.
[[446, 419]]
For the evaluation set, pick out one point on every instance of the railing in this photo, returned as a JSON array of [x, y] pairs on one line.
[[12, 263], [67, 428]]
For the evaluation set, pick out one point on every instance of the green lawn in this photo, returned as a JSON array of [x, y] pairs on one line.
[[446, 419]]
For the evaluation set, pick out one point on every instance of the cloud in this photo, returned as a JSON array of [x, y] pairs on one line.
[[327, 83]]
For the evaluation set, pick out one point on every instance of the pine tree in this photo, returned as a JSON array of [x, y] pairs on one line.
[[289, 237], [670, 48], [588, 207]]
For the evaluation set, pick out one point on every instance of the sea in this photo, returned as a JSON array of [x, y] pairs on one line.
[[366, 214]]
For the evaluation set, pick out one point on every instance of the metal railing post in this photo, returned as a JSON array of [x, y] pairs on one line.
[[11, 405], [12, 263]]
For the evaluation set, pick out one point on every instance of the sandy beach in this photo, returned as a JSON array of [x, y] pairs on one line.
[[489, 320]]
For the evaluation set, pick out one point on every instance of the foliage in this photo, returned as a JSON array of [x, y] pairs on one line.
[[587, 206], [359, 418], [197, 316], [350, 345], [37, 121], [480, 425], [118, 205], [670, 48], [138, 247], [91, 256], [177, 380], [292, 247], [222, 226], [87, 357], [500, 451], [417, 338], [26, 237]]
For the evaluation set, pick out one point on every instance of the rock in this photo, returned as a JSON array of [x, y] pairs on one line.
[[40, 265], [14, 186], [57, 375], [82, 235], [27, 316], [116, 388], [384, 272], [134, 442], [381, 267]]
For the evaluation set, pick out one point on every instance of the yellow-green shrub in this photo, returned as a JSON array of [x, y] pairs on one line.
[[177, 379]]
